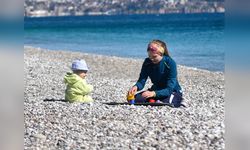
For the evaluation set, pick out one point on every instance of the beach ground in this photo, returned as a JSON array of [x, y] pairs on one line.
[[61, 125]]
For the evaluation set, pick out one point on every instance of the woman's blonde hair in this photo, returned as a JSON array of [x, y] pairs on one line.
[[162, 44]]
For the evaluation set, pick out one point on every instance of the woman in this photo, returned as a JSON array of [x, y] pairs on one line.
[[162, 71]]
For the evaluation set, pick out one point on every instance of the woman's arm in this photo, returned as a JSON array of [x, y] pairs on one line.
[[143, 76]]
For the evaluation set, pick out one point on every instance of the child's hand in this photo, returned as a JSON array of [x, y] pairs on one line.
[[148, 94], [133, 90]]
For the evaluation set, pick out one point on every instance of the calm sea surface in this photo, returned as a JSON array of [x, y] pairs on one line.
[[195, 40]]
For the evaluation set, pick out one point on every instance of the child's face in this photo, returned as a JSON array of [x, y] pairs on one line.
[[154, 57], [83, 74]]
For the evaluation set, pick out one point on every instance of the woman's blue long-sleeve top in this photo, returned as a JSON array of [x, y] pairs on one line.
[[163, 76]]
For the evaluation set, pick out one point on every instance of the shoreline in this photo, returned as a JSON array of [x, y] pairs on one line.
[[138, 59], [60, 125]]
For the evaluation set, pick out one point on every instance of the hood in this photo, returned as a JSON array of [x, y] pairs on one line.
[[71, 78]]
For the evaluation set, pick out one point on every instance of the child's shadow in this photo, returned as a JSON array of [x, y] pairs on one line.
[[54, 100]]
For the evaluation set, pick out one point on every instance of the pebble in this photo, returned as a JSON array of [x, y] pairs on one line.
[[40, 136]]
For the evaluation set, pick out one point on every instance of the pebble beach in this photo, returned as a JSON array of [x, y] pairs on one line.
[[62, 125]]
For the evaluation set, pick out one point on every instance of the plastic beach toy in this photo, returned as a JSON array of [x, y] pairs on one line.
[[151, 100], [131, 98]]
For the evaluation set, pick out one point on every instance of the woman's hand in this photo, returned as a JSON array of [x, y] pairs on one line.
[[148, 94], [133, 90]]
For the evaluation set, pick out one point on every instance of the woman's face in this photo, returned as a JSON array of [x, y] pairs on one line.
[[154, 57]]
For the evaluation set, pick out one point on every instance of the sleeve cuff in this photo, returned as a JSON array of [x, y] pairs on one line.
[[138, 87]]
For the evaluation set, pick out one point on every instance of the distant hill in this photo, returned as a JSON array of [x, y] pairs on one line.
[[38, 8]]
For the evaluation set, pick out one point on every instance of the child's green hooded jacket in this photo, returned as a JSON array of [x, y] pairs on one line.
[[77, 89]]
